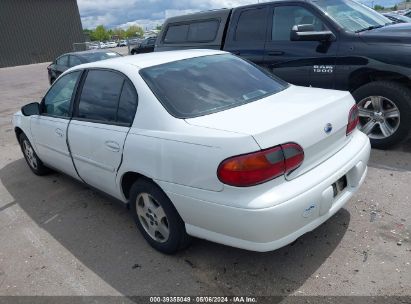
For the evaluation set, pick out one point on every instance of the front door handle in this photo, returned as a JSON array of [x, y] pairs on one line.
[[59, 132], [275, 53], [112, 146]]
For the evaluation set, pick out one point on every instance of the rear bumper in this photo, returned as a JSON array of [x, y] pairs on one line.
[[307, 202]]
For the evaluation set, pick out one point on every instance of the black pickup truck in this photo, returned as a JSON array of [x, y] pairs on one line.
[[335, 44]]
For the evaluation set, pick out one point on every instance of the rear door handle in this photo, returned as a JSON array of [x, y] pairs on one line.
[[112, 146], [275, 53]]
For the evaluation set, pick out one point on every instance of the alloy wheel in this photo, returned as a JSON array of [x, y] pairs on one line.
[[379, 117], [30, 156], [152, 217]]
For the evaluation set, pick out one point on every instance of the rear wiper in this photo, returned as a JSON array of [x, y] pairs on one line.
[[372, 27]]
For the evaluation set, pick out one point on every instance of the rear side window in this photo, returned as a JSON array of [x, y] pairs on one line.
[[203, 31], [128, 104], [251, 25], [204, 85], [74, 61], [107, 97], [176, 33]]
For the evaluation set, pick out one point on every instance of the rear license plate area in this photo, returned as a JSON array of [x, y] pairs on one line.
[[339, 185]]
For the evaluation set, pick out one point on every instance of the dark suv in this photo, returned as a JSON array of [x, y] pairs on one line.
[[335, 44], [146, 46]]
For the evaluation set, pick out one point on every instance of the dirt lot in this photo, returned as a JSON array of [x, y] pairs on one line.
[[57, 237]]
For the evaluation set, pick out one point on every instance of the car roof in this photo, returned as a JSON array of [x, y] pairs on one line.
[[141, 61], [79, 53]]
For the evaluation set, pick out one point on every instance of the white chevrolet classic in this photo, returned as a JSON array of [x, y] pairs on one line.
[[200, 143]]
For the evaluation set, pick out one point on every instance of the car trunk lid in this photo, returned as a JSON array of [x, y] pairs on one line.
[[316, 119]]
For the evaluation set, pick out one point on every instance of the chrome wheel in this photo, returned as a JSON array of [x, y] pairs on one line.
[[29, 153], [379, 117], [152, 217]]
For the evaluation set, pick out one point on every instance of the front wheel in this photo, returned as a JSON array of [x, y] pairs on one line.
[[156, 218], [34, 162], [385, 112]]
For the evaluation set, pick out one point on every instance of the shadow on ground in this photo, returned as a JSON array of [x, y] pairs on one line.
[[102, 236], [397, 158]]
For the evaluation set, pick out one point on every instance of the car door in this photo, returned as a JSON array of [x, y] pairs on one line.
[[62, 64], [306, 63], [49, 129], [247, 33], [101, 120]]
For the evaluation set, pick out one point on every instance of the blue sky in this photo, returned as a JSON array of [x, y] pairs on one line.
[[149, 13]]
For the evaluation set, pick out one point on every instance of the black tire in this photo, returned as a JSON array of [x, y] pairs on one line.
[[177, 238], [392, 93], [39, 168], [133, 52]]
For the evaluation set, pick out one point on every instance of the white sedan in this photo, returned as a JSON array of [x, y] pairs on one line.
[[200, 143]]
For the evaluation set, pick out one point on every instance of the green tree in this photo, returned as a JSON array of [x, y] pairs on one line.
[[120, 33], [379, 7], [395, 8], [100, 33], [158, 27], [134, 31]]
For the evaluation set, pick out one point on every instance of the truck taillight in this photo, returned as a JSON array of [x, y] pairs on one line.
[[353, 120], [259, 167]]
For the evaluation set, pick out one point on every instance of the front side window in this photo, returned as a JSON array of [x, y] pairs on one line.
[[100, 95], [251, 25], [352, 16], [285, 17], [203, 85], [63, 60], [58, 99]]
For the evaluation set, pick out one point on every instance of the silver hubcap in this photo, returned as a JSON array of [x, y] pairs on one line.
[[152, 217], [379, 117], [28, 151]]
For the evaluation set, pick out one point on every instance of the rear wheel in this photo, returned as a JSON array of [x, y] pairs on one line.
[[156, 218], [385, 112], [35, 164]]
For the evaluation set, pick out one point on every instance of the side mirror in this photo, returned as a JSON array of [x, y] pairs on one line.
[[306, 32], [31, 109]]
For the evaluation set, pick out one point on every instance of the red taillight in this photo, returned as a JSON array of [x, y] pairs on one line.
[[258, 167], [353, 119]]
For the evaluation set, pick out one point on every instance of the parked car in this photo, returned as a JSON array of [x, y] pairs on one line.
[[68, 60], [408, 13], [93, 46], [103, 45], [336, 44], [122, 43], [111, 44], [146, 46], [397, 18], [216, 148]]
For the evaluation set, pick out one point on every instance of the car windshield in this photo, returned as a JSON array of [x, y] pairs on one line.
[[204, 85], [352, 16], [97, 56]]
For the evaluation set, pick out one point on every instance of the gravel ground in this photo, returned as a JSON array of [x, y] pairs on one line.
[[57, 237]]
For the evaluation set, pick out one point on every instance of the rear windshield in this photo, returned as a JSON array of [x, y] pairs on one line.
[[203, 85]]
